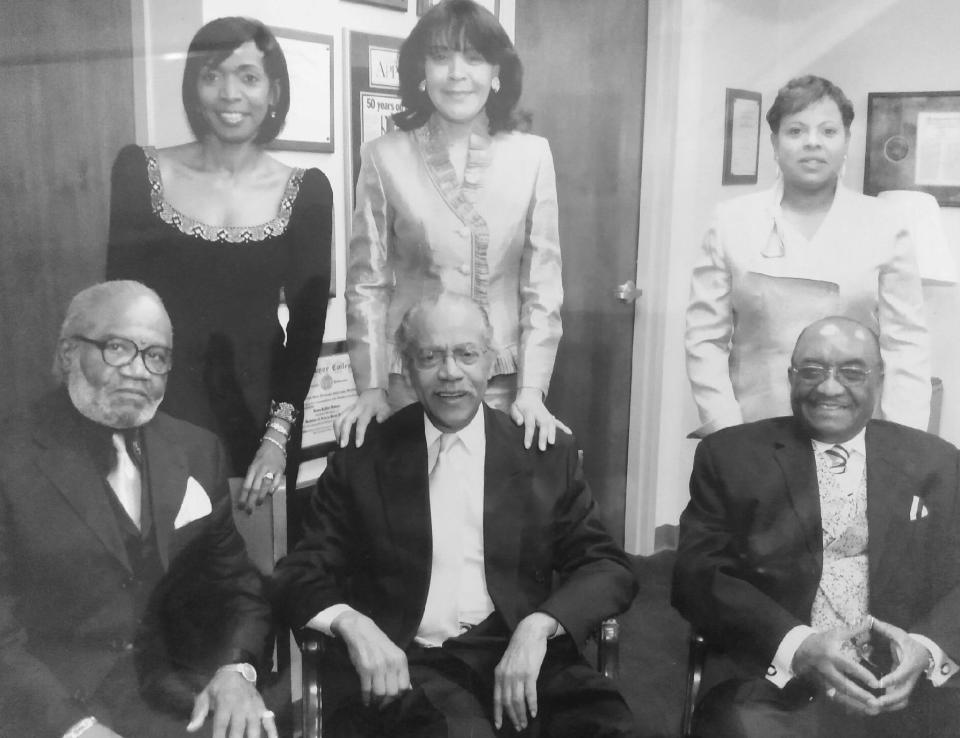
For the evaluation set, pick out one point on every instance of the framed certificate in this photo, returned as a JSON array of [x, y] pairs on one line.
[[309, 124]]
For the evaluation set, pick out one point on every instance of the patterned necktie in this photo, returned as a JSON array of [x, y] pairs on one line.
[[838, 458], [124, 479]]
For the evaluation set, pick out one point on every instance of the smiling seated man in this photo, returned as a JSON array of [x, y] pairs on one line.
[[128, 606], [429, 554], [820, 547]]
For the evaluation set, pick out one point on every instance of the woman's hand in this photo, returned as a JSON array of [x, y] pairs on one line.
[[265, 474], [529, 411], [372, 403]]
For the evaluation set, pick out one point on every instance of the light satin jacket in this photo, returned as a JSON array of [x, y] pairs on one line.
[[754, 288], [418, 231]]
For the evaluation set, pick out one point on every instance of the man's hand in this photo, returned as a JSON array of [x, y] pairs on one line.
[[371, 404], [910, 659], [380, 664], [238, 710], [529, 411], [830, 659], [515, 678]]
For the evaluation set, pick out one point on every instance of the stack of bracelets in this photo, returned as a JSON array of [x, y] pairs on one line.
[[280, 411]]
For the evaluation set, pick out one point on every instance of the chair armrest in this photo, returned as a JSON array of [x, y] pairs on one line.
[[695, 660], [608, 648], [311, 648]]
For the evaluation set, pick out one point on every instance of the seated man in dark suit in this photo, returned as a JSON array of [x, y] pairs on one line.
[[429, 553], [821, 554], [128, 606]]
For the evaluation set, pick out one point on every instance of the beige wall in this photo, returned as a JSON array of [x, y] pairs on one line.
[[862, 45]]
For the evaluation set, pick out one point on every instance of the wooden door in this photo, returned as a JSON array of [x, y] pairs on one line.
[[66, 82], [584, 84]]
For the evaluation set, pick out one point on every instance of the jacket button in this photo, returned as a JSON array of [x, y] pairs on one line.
[[464, 269]]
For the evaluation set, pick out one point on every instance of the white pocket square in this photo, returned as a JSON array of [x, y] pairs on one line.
[[918, 510], [196, 504]]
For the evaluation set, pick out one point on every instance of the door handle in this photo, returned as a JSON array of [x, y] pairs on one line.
[[627, 292]]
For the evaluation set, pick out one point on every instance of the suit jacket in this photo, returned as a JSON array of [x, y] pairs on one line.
[[751, 548], [368, 541], [71, 607], [751, 294], [417, 230]]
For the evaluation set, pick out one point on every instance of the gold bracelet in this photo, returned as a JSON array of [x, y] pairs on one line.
[[80, 727], [276, 443], [278, 427]]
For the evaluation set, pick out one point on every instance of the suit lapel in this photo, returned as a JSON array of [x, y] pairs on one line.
[[505, 491], [166, 472], [404, 488], [889, 494], [794, 454], [65, 460]]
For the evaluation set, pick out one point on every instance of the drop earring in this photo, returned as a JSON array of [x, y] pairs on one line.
[[273, 114], [495, 85], [422, 86]]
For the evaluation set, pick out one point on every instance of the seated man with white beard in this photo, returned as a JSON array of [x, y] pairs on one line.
[[128, 606]]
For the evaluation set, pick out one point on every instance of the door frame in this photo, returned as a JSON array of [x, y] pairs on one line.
[[664, 24]]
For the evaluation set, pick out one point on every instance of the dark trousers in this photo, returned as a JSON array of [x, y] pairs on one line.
[[452, 695], [756, 708]]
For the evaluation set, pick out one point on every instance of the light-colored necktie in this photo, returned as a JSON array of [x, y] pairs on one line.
[[124, 479], [441, 612], [838, 458]]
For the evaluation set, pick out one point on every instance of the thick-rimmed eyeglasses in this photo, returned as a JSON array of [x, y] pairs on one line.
[[850, 375], [432, 357], [122, 351]]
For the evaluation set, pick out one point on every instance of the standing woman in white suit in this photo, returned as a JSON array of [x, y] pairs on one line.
[[775, 261], [456, 200]]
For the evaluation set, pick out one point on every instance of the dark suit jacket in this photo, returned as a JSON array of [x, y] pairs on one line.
[[751, 554], [70, 605], [368, 543]]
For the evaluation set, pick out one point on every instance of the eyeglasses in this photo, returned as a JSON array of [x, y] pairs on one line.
[[430, 358], [849, 375], [122, 351]]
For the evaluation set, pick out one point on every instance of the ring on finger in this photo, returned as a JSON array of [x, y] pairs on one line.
[[269, 475], [831, 692], [267, 715]]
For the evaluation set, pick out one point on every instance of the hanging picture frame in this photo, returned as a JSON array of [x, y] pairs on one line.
[[309, 123]]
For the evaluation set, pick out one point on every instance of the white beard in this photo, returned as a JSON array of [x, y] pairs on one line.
[[95, 405]]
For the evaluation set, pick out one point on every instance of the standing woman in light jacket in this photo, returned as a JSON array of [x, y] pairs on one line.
[[773, 262], [456, 200]]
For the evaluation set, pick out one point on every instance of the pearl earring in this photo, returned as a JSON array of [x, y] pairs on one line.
[[495, 85], [422, 86]]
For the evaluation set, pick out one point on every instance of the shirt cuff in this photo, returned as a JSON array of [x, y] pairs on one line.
[[324, 619], [943, 666], [780, 670]]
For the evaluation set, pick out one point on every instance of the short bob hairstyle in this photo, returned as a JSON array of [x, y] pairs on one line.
[[457, 25], [213, 43], [801, 92]]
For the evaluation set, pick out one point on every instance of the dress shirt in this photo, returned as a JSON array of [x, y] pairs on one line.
[[468, 453], [780, 670]]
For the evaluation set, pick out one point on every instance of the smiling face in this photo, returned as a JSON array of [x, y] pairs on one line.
[[834, 410], [236, 95], [122, 396], [811, 145], [458, 82], [452, 390]]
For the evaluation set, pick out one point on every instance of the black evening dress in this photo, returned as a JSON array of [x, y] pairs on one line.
[[221, 287]]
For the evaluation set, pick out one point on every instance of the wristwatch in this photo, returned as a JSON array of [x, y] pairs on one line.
[[245, 670]]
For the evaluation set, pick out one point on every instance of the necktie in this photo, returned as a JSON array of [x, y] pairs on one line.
[[838, 456], [124, 479], [441, 612]]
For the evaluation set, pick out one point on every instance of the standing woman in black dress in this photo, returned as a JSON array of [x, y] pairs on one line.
[[221, 230]]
